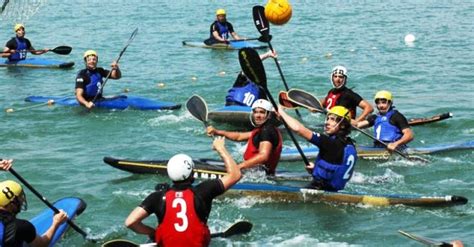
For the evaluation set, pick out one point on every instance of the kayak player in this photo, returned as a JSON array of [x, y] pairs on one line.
[[343, 96], [183, 210], [337, 155], [221, 30], [89, 80], [13, 231], [244, 92], [17, 47], [390, 126], [264, 142]]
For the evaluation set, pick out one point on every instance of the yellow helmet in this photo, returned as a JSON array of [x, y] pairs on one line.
[[341, 111], [9, 191], [90, 53], [18, 26], [384, 94], [220, 12]]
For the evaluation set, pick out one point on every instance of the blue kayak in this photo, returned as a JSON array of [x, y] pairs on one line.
[[118, 102], [37, 63], [364, 152], [298, 194], [233, 45], [73, 206]]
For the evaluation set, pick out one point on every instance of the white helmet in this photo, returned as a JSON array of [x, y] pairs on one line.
[[339, 70], [180, 167], [261, 103]]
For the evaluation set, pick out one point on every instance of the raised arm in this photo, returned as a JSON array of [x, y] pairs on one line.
[[233, 171], [295, 125]]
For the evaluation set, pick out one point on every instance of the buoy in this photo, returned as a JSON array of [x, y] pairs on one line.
[[194, 78], [410, 38], [51, 102], [222, 73], [328, 55], [161, 84], [9, 110], [126, 90]]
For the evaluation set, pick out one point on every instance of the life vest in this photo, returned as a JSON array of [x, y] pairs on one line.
[[92, 89], [181, 225], [332, 99], [336, 175], [243, 95], [7, 229], [21, 49], [252, 151], [223, 30], [384, 130]]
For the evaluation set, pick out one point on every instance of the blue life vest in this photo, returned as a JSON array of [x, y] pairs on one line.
[[92, 89], [223, 30], [20, 53], [243, 95], [384, 130], [336, 175]]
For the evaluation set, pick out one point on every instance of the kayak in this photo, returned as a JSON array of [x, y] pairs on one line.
[[233, 45], [364, 152], [297, 194], [117, 102], [37, 63], [73, 206], [203, 169], [239, 116]]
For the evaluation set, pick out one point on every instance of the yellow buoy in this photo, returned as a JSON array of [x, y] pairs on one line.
[[161, 84], [278, 12]]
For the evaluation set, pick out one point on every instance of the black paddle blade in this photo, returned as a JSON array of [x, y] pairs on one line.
[[240, 227], [119, 243], [197, 107], [265, 39], [62, 50], [284, 101], [261, 22], [427, 241], [305, 99], [252, 66]]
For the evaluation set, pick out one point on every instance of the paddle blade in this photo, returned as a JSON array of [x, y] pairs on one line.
[[240, 227], [261, 22], [424, 240], [119, 243], [62, 50], [305, 99], [252, 66], [197, 107], [284, 101]]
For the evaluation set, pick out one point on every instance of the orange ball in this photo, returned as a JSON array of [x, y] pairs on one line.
[[278, 12]]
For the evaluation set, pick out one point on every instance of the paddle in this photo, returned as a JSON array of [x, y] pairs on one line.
[[310, 102], [198, 108], [240, 227], [49, 102], [263, 27], [101, 88], [62, 50], [424, 240], [284, 101], [4, 5], [45, 201], [252, 67]]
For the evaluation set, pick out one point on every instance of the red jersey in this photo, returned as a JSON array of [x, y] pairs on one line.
[[181, 225], [252, 150]]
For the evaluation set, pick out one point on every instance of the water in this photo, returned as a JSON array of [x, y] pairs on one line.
[[59, 150]]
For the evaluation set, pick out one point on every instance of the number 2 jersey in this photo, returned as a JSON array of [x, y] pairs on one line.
[[182, 213]]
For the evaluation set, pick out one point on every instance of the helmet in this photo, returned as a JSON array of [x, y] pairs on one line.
[[340, 111], [90, 53], [339, 70], [18, 26], [180, 167], [11, 191], [384, 94], [220, 12], [261, 103]]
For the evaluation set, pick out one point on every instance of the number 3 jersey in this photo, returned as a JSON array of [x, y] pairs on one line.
[[182, 213]]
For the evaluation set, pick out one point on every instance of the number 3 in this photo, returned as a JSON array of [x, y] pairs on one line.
[[181, 214]]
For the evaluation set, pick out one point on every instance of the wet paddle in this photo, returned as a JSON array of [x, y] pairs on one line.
[[310, 102], [198, 108], [263, 27], [252, 67], [101, 88], [423, 240], [62, 50], [45, 201], [240, 227]]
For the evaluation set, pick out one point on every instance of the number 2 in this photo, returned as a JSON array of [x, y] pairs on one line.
[[350, 163]]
